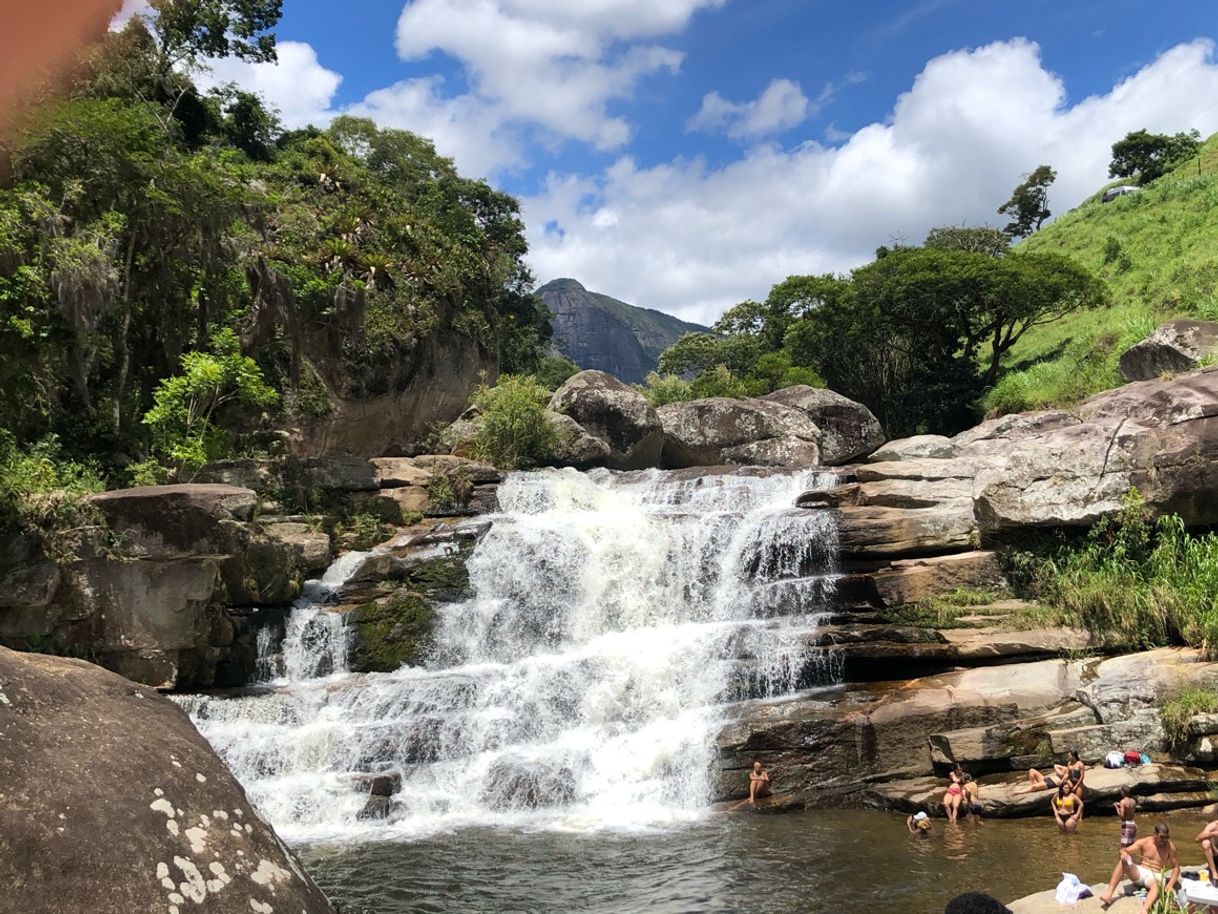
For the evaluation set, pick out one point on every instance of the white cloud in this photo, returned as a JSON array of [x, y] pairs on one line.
[[537, 73], [464, 127], [781, 106], [693, 240], [296, 84], [552, 64], [130, 9]]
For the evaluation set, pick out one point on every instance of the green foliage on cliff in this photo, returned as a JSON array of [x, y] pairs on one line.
[[147, 227], [514, 431], [1154, 251], [44, 494], [1176, 712], [1137, 581]]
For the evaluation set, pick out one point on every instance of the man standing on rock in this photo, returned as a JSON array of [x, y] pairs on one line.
[[1158, 856]]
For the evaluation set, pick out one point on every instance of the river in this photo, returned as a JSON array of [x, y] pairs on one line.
[[819, 862], [553, 751]]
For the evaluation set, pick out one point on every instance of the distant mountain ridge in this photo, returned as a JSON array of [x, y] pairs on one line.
[[597, 331]]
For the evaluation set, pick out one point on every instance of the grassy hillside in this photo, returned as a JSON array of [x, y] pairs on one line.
[[1158, 252]]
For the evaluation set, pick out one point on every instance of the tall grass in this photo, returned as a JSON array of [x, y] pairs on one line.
[[1155, 251], [1138, 582]]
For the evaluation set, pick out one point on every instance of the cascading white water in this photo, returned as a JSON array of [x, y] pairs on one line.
[[582, 686]]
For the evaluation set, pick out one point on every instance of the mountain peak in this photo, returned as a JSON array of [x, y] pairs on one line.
[[596, 331], [562, 285]]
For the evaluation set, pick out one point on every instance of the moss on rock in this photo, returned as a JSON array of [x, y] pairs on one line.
[[390, 633]]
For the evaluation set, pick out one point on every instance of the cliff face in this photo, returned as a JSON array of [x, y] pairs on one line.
[[596, 331]]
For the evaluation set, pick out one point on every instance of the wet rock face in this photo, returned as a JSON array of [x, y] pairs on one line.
[[113, 803], [615, 413], [164, 594], [1174, 347], [521, 784]]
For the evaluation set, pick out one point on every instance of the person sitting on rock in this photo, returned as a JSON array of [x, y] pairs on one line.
[[759, 783], [954, 798], [1206, 838], [1060, 774], [1158, 856], [972, 797], [918, 824], [1067, 809]]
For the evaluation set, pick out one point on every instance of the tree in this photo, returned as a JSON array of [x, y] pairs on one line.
[[1151, 155], [980, 240], [1029, 203], [184, 406], [188, 31], [921, 332]]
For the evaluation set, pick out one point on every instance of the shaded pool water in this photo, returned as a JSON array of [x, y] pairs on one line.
[[822, 862]]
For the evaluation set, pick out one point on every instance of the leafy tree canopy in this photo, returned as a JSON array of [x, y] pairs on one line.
[[1151, 155], [1028, 207], [917, 335], [142, 220]]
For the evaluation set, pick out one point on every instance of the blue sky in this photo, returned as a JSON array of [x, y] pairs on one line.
[[686, 154]]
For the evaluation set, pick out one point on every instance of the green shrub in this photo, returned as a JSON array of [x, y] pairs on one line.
[[721, 382], [44, 494], [554, 370], [1138, 582], [361, 531], [515, 433], [1175, 713], [662, 389], [183, 414], [451, 489]]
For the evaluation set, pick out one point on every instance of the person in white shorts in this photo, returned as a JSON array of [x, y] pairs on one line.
[[1158, 856]]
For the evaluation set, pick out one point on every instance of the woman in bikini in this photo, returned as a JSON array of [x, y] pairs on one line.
[[954, 798], [1067, 809]]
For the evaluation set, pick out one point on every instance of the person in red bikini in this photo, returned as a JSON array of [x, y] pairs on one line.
[[954, 798]]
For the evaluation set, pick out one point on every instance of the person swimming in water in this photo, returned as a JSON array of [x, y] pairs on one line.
[[759, 783], [1067, 809], [918, 824]]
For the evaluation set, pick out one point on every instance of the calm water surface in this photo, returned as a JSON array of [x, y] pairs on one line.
[[824, 862]]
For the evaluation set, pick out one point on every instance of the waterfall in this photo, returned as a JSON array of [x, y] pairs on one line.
[[614, 616]]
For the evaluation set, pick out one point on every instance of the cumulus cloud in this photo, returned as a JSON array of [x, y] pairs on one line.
[[693, 240], [297, 84], [551, 63], [781, 106]]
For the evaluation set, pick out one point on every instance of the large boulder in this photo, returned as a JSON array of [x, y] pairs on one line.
[[1176, 346], [617, 414], [720, 431], [848, 430], [113, 803], [1160, 437]]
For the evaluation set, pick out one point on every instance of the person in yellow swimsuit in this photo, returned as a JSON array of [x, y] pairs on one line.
[[1067, 809]]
